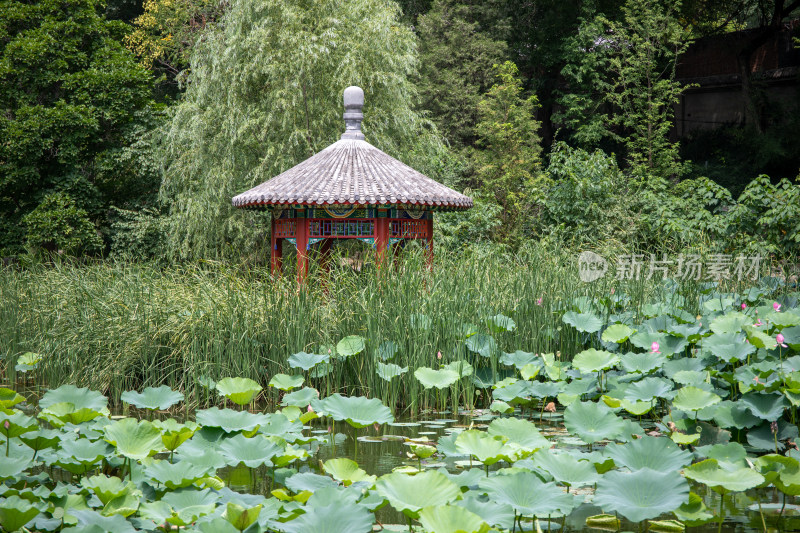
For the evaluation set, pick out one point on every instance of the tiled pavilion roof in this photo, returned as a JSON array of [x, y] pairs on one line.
[[352, 172]]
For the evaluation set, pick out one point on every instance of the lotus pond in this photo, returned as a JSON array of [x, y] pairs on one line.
[[666, 420]]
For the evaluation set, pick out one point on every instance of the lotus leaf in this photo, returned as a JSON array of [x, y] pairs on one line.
[[334, 518], [584, 322], [79, 397], [62, 413], [657, 454], [134, 440], [41, 439], [279, 425], [642, 362], [11, 467], [349, 346], [15, 512], [174, 434], [462, 368], [229, 420], [668, 344], [486, 448], [108, 488], [592, 422], [649, 389], [515, 393], [93, 522], [346, 471], [523, 433], [723, 480], [519, 359], [617, 333], [441, 379], [409, 494], [495, 514], [27, 361], [765, 406], [285, 382], [592, 360], [694, 399], [241, 517], [731, 322], [421, 322], [729, 347], [308, 481], [567, 469], [728, 414], [9, 398], [86, 452], [731, 453], [500, 323], [240, 391], [358, 411], [176, 475], [153, 398], [762, 437], [499, 406], [608, 522], [451, 519], [253, 452], [641, 494], [759, 339], [307, 361], [528, 495], [483, 345], [389, 370], [545, 389], [387, 350], [14, 423], [694, 512]]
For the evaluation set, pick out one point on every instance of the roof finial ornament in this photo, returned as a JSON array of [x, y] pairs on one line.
[[353, 103]]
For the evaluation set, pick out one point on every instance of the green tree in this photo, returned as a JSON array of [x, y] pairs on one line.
[[72, 100], [507, 160], [265, 93], [459, 43], [622, 84]]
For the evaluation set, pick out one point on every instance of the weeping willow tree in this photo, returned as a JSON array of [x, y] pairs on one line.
[[265, 93]]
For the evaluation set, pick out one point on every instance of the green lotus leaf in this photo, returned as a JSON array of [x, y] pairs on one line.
[[441, 379], [387, 350], [41, 439], [308, 481], [27, 362], [107, 488], [93, 522], [592, 422], [240, 391], [241, 517], [134, 439], [253, 452], [690, 377], [763, 438], [176, 475], [592, 360], [84, 451], [389, 370], [567, 469], [278, 424], [657, 454], [585, 322], [206, 382], [79, 397], [9, 398], [641, 494], [462, 368], [349, 346], [15, 512], [182, 507], [358, 411], [546, 389], [486, 448], [307, 361], [792, 337], [642, 362], [409, 494], [159, 398], [11, 467], [729, 346], [300, 398], [335, 518], [483, 345], [528, 495], [722, 480], [765, 406], [501, 407], [618, 333], [759, 339], [229, 420], [694, 399], [451, 519], [500, 515], [783, 319], [422, 451], [174, 434], [718, 303], [728, 414], [731, 453], [514, 393], [62, 413], [500, 324], [694, 512], [668, 344], [731, 322], [523, 433], [788, 479], [519, 359], [14, 423], [285, 382], [608, 522], [346, 471]]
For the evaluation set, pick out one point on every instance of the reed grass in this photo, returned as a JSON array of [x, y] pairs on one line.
[[116, 326]]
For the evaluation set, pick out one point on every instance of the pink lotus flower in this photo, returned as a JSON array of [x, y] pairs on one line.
[[779, 338], [744, 306], [654, 348], [539, 301], [777, 307], [438, 355], [310, 410]]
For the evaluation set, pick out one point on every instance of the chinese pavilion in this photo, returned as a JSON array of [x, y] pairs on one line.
[[350, 190]]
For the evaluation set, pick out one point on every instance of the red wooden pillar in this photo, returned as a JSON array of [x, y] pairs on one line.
[[276, 251], [325, 254], [429, 251], [381, 237], [302, 248]]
